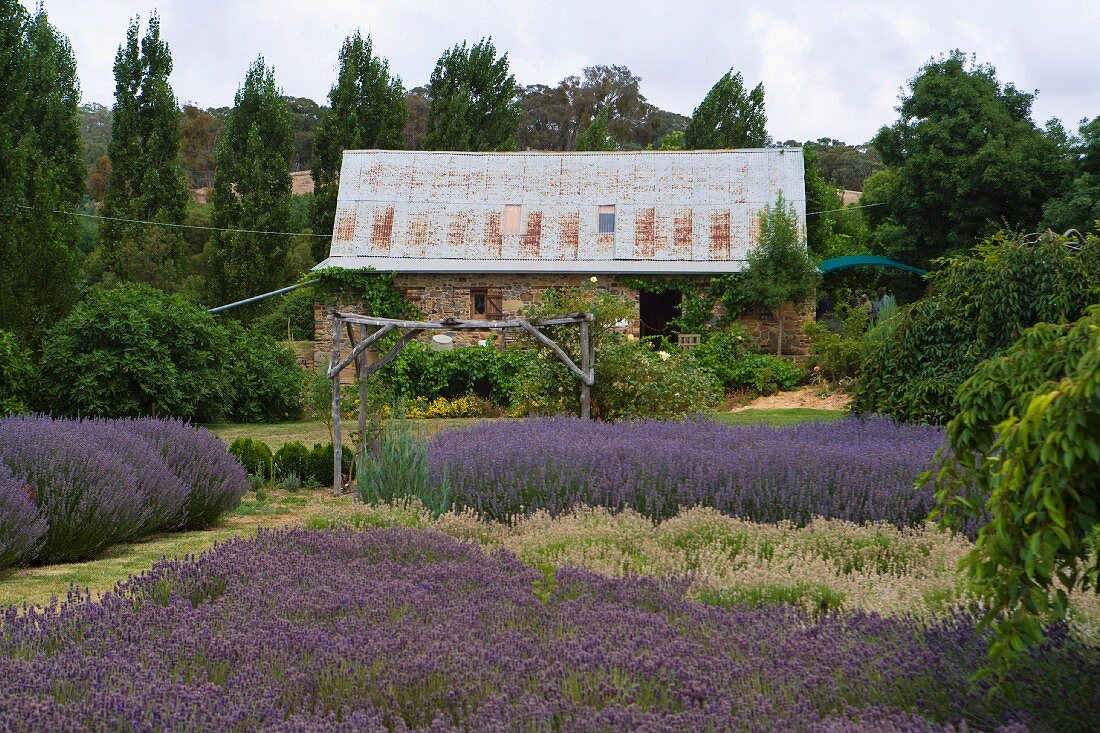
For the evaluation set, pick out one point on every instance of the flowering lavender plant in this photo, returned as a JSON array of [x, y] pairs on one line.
[[860, 470], [89, 495], [215, 481], [402, 630], [21, 526]]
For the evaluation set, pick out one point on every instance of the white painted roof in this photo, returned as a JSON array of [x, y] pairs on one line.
[[676, 212]]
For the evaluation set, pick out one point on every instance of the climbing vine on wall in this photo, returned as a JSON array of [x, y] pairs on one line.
[[374, 289]]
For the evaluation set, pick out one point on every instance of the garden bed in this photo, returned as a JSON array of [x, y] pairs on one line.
[[400, 630]]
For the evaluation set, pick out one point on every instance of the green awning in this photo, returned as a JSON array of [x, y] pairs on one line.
[[846, 263]]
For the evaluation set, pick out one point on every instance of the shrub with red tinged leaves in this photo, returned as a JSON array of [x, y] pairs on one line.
[[21, 526], [410, 630]]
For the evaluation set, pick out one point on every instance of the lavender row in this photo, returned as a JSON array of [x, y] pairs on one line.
[[410, 630], [860, 470], [69, 489]]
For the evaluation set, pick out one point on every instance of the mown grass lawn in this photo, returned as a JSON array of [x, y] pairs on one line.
[[310, 432], [779, 417], [37, 585]]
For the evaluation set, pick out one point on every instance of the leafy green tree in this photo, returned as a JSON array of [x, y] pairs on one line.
[[672, 141], [779, 268], [41, 171], [473, 101], [198, 133], [17, 375], [842, 165], [981, 302], [728, 117], [95, 130], [368, 111], [596, 136], [968, 160], [252, 191], [147, 181], [1027, 437], [1078, 207]]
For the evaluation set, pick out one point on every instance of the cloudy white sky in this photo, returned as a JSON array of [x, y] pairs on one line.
[[830, 69]]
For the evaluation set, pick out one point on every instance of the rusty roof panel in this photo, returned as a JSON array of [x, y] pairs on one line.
[[412, 211]]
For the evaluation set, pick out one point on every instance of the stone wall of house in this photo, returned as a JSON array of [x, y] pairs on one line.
[[440, 296]]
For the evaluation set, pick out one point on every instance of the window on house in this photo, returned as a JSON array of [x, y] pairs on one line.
[[485, 303], [510, 222], [607, 220]]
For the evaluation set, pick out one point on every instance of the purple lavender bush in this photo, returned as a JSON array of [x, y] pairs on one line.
[[860, 470], [409, 630], [214, 480], [89, 494], [164, 494], [21, 526]]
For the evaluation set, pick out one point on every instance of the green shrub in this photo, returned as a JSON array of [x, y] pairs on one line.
[[254, 455], [132, 351], [264, 377], [320, 464], [293, 459], [719, 350], [16, 375], [400, 471], [482, 371], [837, 356], [915, 362], [632, 381], [292, 318]]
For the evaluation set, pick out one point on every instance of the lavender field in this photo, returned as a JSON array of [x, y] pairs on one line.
[[411, 630], [860, 470]]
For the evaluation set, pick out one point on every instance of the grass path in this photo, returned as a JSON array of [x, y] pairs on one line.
[[37, 585]]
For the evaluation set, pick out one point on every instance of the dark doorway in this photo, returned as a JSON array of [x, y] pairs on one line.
[[656, 310]]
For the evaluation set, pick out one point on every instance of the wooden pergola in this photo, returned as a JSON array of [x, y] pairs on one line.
[[357, 325]]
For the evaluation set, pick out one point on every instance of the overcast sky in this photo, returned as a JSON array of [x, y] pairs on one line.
[[830, 69]]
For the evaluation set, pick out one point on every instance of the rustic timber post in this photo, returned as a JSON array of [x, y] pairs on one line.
[[361, 371], [586, 367], [337, 438]]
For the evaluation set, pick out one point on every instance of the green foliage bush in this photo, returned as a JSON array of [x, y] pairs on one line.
[[16, 375], [981, 302], [1027, 435], [730, 357], [400, 471], [264, 379], [420, 373], [837, 356], [254, 455], [294, 459], [291, 319], [632, 381], [132, 350]]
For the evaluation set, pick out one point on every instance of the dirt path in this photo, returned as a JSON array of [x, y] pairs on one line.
[[804, 397]]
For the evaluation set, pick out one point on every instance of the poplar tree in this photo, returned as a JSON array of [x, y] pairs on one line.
[[252, 190], [147, 183], [728, 117], [41, 172], [367, 111], [474, 101]]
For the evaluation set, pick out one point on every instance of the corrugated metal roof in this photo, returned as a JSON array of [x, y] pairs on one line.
[[675, 212]]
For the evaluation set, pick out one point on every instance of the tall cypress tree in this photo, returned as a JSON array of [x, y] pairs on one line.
[[252, 190], [41, 172], [728, 117], [474, 101], [367, 111], [147, 182]]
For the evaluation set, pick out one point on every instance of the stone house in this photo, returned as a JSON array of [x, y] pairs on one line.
[[481, 235]]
